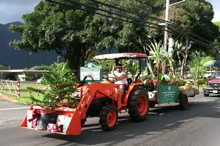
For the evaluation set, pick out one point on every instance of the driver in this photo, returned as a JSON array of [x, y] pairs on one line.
[[121, 78]]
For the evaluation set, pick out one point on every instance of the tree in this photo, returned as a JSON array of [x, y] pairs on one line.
[[3, 67], [216, 43], [181, 54], [57, 27], [130, 30], [195, 19], [61, 81], [72, 33], [198, 64]]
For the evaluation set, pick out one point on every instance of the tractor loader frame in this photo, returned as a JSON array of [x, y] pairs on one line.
[[99, 99]]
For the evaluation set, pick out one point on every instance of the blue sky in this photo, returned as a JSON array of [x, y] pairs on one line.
[[216, 7], [12, 10]]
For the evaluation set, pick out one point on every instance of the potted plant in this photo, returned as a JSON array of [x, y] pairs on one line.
[[60, 80]]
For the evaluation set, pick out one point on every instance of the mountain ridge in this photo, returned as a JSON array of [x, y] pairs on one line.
[[19, 59]]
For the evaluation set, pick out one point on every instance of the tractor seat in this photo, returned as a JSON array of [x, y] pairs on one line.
[[129, 82]]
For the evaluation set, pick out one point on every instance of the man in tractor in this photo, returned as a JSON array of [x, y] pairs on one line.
[[167, 76], [121, 78]]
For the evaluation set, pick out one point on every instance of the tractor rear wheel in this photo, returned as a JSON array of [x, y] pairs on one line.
[[183, 101], [138, 105], [108, 117]]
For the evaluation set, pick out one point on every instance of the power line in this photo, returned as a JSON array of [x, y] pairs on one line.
[[126, 17], [154, 18]]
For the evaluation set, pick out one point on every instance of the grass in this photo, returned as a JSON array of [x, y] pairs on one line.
[[25, 93]]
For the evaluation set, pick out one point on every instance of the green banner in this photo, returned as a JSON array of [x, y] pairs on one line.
[[169, 93]]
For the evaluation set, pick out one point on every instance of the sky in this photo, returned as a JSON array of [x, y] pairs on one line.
[[12, 10]]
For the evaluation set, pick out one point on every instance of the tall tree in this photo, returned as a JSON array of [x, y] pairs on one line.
[[56, 27], [198, 65], [72, 32], [216, 41], [128, 24], [193, 20]]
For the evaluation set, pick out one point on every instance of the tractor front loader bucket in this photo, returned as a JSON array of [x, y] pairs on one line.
[[67, 121], [74, 127]]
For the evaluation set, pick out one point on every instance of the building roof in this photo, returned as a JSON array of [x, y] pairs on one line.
[[23, 71]]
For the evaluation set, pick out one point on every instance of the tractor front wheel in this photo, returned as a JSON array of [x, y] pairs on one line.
[[138, 105], [108, 117]]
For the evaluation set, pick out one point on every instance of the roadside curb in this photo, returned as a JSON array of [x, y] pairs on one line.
[[7, 98]]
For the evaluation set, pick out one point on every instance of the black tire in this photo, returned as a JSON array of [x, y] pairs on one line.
[[108, 117], [152, 104], [138, 105], [83, 121], [183, 101]]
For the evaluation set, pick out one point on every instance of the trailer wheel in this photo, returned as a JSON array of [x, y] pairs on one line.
[[108, 117], [138, 105], [183, 101]]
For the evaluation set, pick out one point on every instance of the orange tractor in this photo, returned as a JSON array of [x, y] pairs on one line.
[[98, 99]]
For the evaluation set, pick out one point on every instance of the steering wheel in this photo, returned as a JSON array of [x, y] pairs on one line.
[[84, 79], [113, 79]]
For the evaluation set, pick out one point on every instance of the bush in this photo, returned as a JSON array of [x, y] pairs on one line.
[[202, 81], [61, 80], [30, 78]]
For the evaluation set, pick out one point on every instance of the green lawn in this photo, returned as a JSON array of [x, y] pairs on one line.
[[25, 93]]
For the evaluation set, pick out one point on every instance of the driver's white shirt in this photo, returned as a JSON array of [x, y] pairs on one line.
[[167, 78], [123, 81]]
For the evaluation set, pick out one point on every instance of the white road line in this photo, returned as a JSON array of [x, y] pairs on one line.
[[7, 109]]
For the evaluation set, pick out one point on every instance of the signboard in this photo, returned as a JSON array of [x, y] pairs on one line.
[[93, 70], [169, 93]]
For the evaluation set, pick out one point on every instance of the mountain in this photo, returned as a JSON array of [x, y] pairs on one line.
[[19, 59]]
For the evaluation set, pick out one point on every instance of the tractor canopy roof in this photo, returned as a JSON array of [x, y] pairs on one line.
[[121, 56]]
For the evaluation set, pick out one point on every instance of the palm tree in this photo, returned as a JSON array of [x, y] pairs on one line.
[[156, 54], [198, 66]]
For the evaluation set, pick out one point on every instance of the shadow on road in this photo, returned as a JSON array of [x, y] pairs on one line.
[[160, 119]]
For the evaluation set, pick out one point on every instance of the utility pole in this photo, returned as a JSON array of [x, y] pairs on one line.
[[166, 24], [165, 42]]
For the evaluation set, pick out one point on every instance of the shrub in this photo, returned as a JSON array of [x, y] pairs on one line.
[[61, 80]]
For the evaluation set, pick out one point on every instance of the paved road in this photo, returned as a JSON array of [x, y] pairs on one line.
[[165, 126]]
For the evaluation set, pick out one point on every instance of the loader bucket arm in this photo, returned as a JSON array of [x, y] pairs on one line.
[[80, 112], [75, 115], [88, 96]]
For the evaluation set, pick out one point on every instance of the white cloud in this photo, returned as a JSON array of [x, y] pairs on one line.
[[12, 10]]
